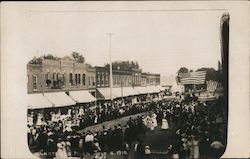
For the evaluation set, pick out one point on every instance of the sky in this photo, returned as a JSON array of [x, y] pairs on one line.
[[161, 41]]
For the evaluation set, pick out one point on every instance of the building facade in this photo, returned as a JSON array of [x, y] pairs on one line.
[[64, 74]]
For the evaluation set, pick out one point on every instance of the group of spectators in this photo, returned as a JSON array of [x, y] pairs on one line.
[[200, 128], [200, 131]]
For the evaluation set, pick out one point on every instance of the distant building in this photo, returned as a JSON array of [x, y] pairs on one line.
[[123, 78], [152, 79], [60, 75]]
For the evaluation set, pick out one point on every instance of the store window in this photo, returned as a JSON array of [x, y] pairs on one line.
[[34, 79]]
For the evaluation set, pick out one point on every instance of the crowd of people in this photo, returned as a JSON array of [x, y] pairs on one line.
[[200, 130]]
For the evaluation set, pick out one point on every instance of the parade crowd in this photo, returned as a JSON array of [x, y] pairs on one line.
[[198, 130]]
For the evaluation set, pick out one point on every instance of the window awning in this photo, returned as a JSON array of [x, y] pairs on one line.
[[160, 88], [129, 91], [153, 89], [59, 99], [38, 101], [105, 92], [82, 96], [141, 90]]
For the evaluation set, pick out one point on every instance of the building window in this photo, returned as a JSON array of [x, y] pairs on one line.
[[34, 80], [54, 76], [106, 79], [71, 79], [76, 81], [47, 80], [79, 79], [98, 79], [89, 80], [93, 81], [63, 79], [102, 82], [47, 76], [83, 79]]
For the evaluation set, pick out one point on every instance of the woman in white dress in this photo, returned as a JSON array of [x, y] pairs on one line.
[[61, 150], [194, 148], [154, 116], [164, 125]]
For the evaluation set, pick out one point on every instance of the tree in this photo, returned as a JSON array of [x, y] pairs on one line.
[[78, 57], [123, 65], [212, 74], [183, 70]]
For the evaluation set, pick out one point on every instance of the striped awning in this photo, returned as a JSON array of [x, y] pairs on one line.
[[82, 96], [194, 78]]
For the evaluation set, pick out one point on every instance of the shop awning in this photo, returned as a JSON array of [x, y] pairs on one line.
[[59, 99], [152, 89], [105, 92], [129, 91], [141, 90], [38, 101], [82, 96], [160, 88]]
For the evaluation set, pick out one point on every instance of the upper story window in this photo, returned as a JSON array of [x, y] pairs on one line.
[[107, 79], [34, 81], [57, 76], [47, 80], [71, 79], [54, 76], [79, 79], [101, 80], [93, 80], [76, 81], [89, 80], [83, 79], [98, 79]]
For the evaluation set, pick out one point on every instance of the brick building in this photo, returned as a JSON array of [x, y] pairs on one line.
[[67, 75], [63, 74]]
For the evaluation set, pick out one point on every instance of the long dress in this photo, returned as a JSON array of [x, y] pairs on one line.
[[196, 149], [61, 151], [194, 154], [154, 116], [164, 125]]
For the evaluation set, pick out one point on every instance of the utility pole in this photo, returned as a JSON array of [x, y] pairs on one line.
[[110, 67]]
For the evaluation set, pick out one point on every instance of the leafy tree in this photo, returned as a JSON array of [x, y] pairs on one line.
[[124, 65], [182, 70], [78, 57], [212, 74], [36, 60], [50, 57]]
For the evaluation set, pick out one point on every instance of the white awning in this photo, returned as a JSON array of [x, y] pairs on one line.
[[105, 92], [141, 90], [129, 91], [152, 89], [59, 99], [160, 88], [82, 96], [38, 101]]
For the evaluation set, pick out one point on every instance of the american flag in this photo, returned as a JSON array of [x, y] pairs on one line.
[[193, 78]]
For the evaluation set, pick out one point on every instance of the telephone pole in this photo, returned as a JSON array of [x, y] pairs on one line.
[[110, 67]]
